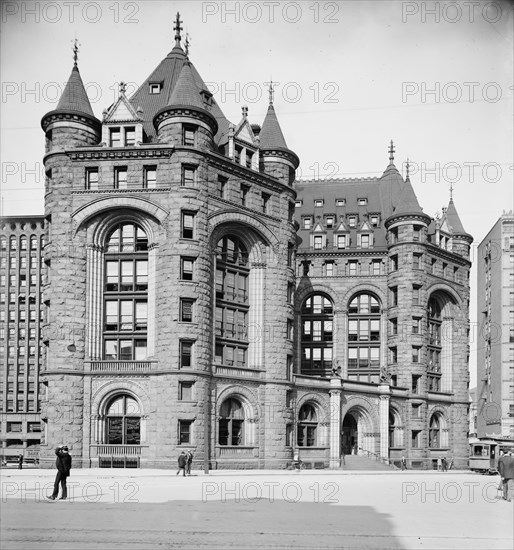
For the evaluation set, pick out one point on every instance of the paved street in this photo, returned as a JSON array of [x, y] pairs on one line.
[[143, 509]]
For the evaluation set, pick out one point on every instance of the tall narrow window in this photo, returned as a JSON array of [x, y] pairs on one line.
[[126, 294], [232, 302], [265, 197], [186, 353], [364, 338], [120, 178], [115, 137], [188, 221], [188, 176], [92, 178], [130, 136], [434, 345], [245, 189], [222, 187], [186, 268], [317, 335], [189, 135], [150, 177], [186, 310], [231, 423], [307, 426]]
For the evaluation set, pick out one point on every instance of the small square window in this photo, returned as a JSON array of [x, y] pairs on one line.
[[298, 204], [340, 202], [374, 221], [185, 391], [155, 88], [362, 201], [318, 202]]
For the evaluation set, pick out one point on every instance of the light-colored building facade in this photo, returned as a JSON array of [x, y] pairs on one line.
[[495, 355], [219, 305]]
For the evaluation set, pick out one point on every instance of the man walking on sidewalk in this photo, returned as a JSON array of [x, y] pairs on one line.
[[63, 465], [182, 461]]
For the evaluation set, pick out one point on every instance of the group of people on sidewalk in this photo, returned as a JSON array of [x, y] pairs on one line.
[[185, 460], [443, 465]]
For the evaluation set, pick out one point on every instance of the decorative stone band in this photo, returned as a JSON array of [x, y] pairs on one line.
[[103, 153], [190, 112], [70, 116], [282, 154]]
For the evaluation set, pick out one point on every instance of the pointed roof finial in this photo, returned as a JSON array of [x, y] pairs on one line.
[[271, 92], [177, 28], [123, 87], [391, 152], [407, 166], [187, 45], [75, 51], [451, 190], [244, 109]]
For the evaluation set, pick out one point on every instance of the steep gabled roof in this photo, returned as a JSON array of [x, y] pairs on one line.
[[74, 97], [271, 134]]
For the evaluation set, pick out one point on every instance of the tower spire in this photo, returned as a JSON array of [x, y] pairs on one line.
[[407, 166], [186, 43], [177, 28], [271, 92], [75, 52], [391, 152], [451, 190]]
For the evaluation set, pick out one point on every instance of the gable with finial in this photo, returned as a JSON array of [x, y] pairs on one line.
[[318, 228], [365, 227], [342, 228], [244, 132], [121, 110]]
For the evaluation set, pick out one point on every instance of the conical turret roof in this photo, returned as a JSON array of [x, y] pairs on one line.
[[453, 220], [271, 134], [74, 98], [186, 91], [408, 202]]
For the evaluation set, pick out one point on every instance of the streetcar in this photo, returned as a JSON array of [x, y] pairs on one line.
[[483, 456]]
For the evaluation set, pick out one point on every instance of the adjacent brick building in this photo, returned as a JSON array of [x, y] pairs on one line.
[[219, 305]]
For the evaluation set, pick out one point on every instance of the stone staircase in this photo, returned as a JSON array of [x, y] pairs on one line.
[[358, 462]]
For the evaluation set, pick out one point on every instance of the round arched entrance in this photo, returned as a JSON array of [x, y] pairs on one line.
[[349, 439]]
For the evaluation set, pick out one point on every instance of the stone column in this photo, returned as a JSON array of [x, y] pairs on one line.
[[336, 387], [385, 394]]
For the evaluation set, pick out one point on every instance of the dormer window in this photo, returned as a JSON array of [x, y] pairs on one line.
[[115, 137], [155, 87], [365, 240], [130, 136], [249, 157], [329, 222], [307, 223], [318, 202], [237, 154], [298, 204], [374, 221], [122, 137], [362, 201], [352, 221], [340, 202]]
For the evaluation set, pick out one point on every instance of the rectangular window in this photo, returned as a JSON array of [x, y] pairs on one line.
[[340, 202], [374, 221], [188, 221], [150, 177], [120, 178], [434, 266], [416, 324], [92, 178], [393, 354], [265, 197], [445, 269], [352, 221], [416, 439], [307, 223], [341, 241], [416, 382], [416, 353], [245, 189], [417, 261], [318, 242], [237, 154], [416, 235], [365, 241], [362, 202], [318, 202], [115, 137], [222, 187], [394, 263], [456, 274], [186, 352], [329, 269], [329, 222], [189, 135], [186, 310], [184, 431], [155, 88], [394, 295], [393, 326], [186, 269], [188, 176], [249, 157], [416, 295], [376, 267], [185, 391], [352, 267], [416, 410], [130, 136]]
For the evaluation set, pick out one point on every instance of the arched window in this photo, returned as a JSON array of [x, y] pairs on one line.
[[317, 335], [434, 345], [364, 338], [392, 430], [232, 303], [126, 294], [307, 426], [434, 432], [3, 243], [123, 421], [231, 423], [14, 244], [23, 243]]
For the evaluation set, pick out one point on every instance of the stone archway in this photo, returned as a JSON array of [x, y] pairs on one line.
[[349, 435], [358, 432]]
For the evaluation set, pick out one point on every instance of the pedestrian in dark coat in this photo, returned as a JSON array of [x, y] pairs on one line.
[[189, 462], [506, 469], [63, 465], [182, 463], [20, 462]]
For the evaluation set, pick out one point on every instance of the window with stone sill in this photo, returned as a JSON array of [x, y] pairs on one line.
[[231, 425], [185, 390], [307, 426], [150, 177], [186, 310], [123, 421], [120, 177], [188, 176], [189, 132], [185, 432], [186, 353]]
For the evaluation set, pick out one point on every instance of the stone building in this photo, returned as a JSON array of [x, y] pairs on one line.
[[219, 305], [495, 354]]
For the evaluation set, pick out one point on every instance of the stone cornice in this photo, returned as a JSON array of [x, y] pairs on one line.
[[281, 152], [187, 111], [70, 116], [116, 192], [415, 216], [447, 254], [382, 252], [101, 153]]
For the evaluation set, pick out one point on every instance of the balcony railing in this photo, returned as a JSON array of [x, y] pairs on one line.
[[116, 450], [237, 452], [121, 366], [237, 371]]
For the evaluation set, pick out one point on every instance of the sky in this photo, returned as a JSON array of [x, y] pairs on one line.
[[435, 77]]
